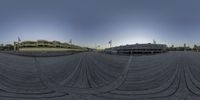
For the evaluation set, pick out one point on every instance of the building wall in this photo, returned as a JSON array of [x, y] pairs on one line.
[[139, 49], [44, 45], [48, 49]]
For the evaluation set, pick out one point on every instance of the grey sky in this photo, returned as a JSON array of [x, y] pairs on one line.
[[90, 22]]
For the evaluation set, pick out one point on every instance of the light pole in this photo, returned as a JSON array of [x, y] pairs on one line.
[[18, 43], [70, 42], [110, 43]]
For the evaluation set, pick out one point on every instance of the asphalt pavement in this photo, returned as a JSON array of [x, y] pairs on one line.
[[96, 76]]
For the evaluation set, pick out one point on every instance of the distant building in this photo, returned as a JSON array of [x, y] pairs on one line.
[[196, 48], [138, 49], [180, 48], [8, 47], [172, 46], [1, 47]]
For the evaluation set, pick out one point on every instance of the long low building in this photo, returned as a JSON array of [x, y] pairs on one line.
[[44, 45], [138, 49]]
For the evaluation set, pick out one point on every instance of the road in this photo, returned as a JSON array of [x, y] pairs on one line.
[[95, 76]]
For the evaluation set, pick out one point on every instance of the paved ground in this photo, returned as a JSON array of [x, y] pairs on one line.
[[93, 76]]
